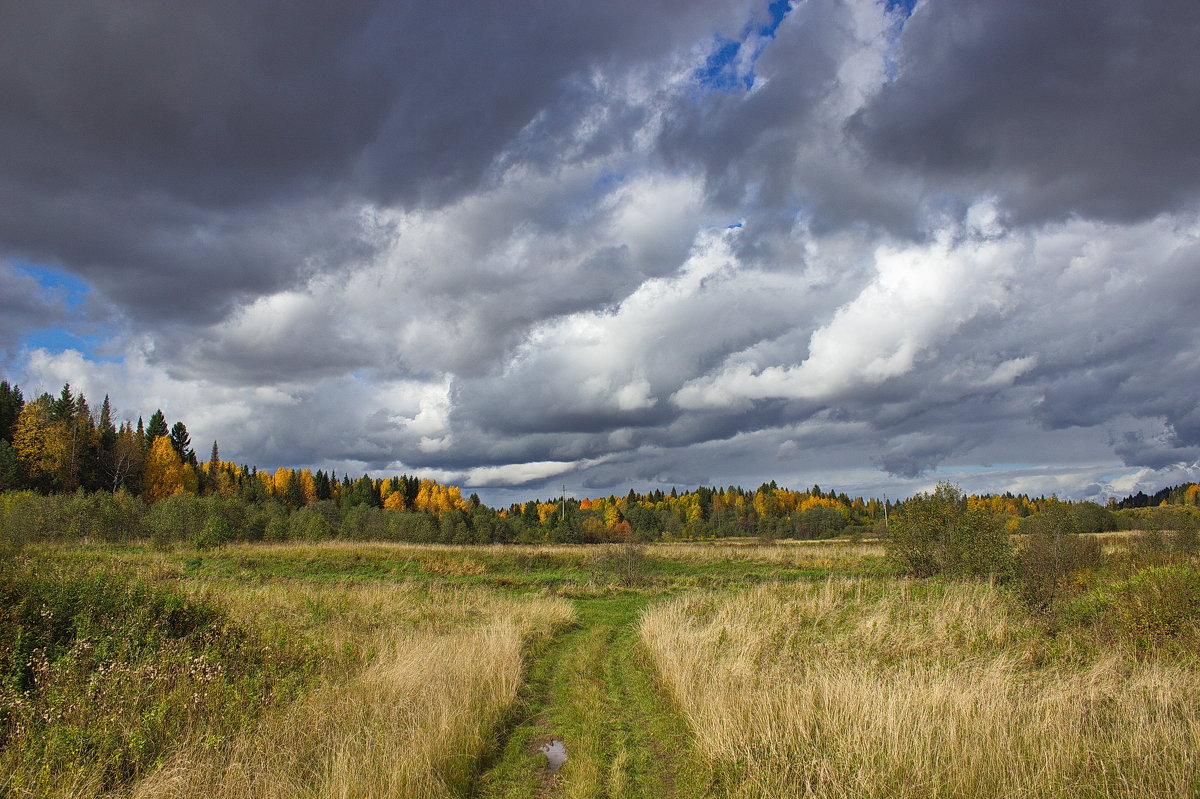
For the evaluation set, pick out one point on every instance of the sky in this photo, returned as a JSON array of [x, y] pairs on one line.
[[522, 246]]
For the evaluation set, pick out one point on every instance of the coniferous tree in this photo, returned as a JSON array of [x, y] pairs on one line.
[[157, 427], [182, 442], [85, 445], [63, 408], [106, 428], [10, 467], [11, 403], [214, 463]]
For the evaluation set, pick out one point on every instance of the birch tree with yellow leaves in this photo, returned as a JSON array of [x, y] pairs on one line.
[[166, 474]]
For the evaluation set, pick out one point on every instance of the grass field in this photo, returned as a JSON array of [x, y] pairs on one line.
[[732, 669], [850, 688]]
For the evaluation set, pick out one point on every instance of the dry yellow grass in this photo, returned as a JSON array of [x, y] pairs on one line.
[[798, 554], [851, 689], [440, 670], [789, 552]]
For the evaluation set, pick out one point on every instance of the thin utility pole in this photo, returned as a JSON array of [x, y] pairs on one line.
[[885, 518]]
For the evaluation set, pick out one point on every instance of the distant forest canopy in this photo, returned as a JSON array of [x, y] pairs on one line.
[[54, 445], [1184, 494]]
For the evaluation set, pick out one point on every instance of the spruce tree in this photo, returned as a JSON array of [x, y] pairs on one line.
[[214, 461], [181, 441], [63, 408], [11, 403], [157, 427]]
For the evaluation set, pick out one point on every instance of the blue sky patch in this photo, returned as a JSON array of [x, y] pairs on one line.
[[70, 289], [905, 6], [719, 72], [75, 332]]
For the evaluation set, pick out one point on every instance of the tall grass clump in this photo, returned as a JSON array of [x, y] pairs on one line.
[[413, 720], [101, 674], [896, 688]]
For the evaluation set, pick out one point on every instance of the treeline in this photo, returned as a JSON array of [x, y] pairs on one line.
[[135, 480], [1183, 494], [57, 444], [705, 512]]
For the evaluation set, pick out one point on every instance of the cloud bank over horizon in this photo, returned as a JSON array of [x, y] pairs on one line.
[[618, 245]]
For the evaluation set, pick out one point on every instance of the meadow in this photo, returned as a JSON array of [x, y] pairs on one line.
[[728, 668]]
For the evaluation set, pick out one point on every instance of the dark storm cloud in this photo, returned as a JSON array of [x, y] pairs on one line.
[[186, 156], [775, 154], [1061, 108], [1155, 452], [492, 243]]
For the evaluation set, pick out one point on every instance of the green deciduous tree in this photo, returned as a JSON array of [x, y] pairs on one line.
[[935, 533]]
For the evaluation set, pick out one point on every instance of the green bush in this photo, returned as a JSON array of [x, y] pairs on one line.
[[217, 531], [979, 546], [277, 529], [1158, 602], [1093, 518], [28, 517], [1156, 606], [820, 522], [175, 518], [934, 533], [308, 525]]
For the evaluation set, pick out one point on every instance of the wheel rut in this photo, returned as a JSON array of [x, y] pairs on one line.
[[593, 691]]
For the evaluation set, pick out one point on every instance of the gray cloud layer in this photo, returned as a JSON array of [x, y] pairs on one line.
[[495, 245]]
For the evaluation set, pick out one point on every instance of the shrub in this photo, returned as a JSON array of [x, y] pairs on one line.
[[935, 533], [1053, 554], [1092, 518], [917, 537], [623, 564], [1157, 605], [821, 522], [216, 532], [404, 526], [1158, 602], [308, 525], [277, 528], [30, 517], [175, 518], [979, 546]]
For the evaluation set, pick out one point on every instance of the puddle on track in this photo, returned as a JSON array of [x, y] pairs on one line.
[[556, 754]]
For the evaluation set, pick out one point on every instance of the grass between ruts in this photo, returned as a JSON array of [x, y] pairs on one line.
[[594, 691], [412, 722]]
